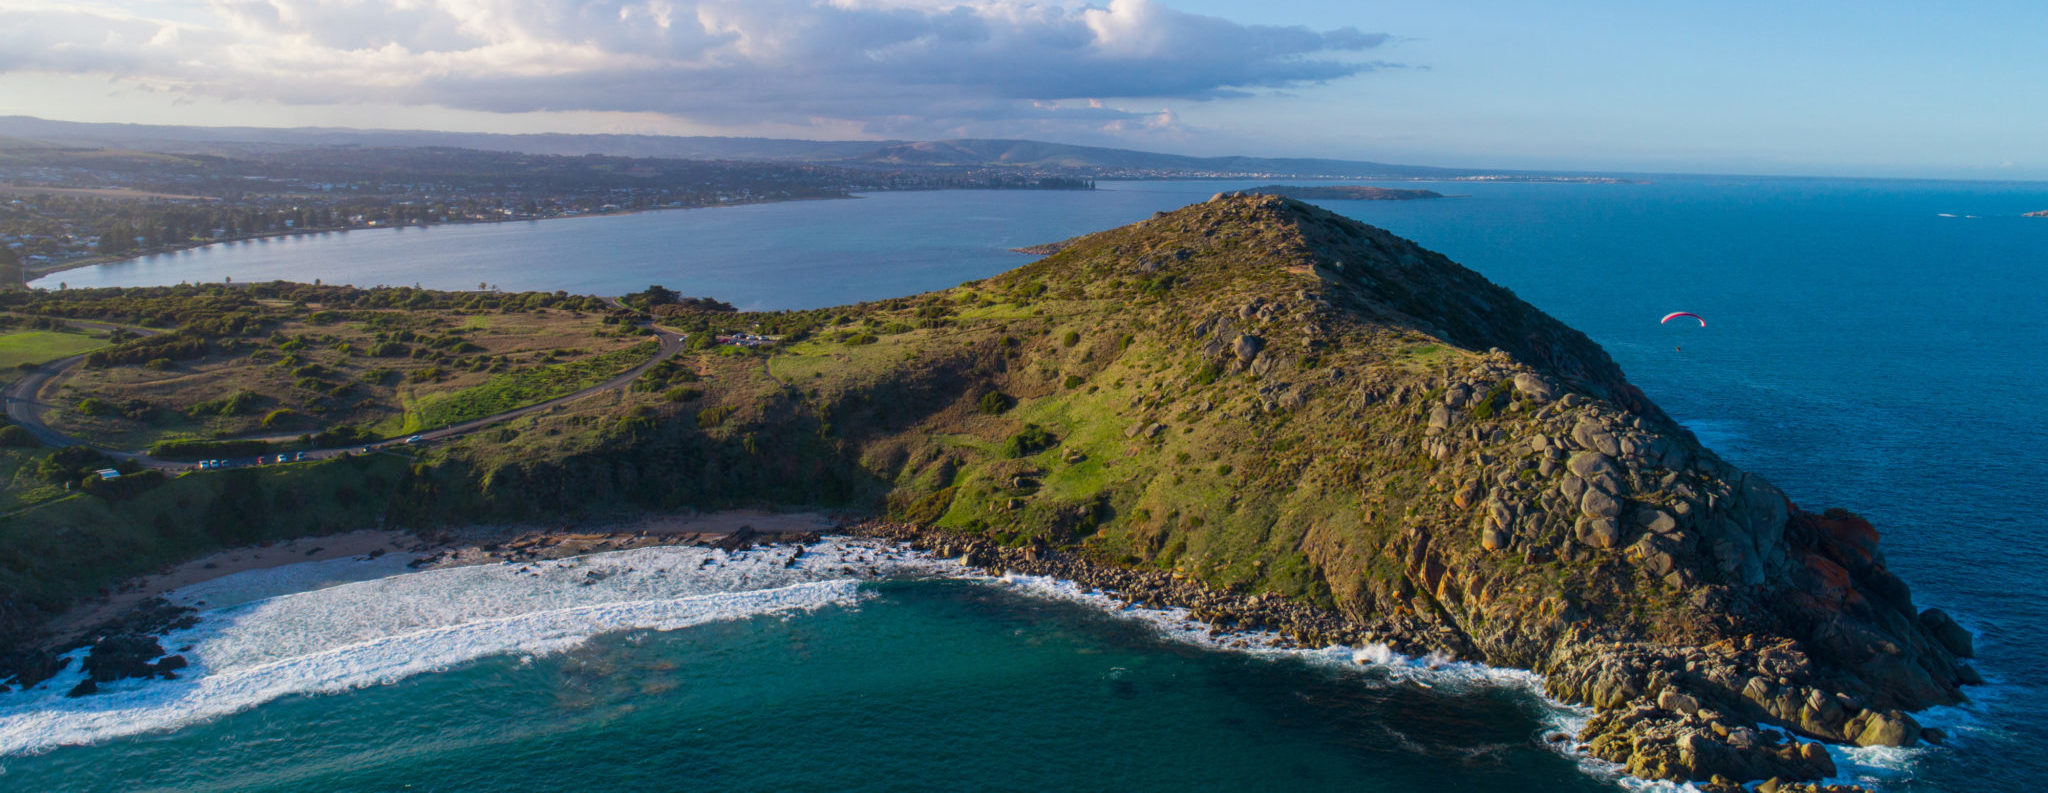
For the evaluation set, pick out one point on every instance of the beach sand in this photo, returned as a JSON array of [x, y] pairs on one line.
[[469, 545], [235, 560]]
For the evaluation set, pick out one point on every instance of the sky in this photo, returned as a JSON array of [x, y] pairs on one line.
[[1942, 90]]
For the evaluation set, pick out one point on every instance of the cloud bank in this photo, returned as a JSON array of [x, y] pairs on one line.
[[886, 66]]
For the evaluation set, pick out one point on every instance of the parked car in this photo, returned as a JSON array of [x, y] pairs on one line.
[[415, 439]]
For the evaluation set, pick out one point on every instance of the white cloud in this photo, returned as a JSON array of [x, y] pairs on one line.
[[889, 66]]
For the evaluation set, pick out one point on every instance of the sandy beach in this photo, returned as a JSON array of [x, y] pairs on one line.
[[442, 548]]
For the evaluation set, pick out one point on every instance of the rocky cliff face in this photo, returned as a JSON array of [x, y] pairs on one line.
[[1314, 408]]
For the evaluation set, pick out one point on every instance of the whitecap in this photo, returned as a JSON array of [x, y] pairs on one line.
[[374, 632]]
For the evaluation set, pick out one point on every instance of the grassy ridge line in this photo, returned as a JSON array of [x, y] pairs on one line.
[[518, 389]]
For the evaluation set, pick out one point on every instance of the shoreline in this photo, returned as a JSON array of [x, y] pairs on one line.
[[432, 549], [29, 276], [1290, 625]]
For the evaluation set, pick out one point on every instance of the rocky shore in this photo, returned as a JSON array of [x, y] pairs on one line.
[[1662, 733], [1648, 719]]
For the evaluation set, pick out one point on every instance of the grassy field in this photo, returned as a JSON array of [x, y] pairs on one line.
[[396, 371], [519, 388], [43, 346]]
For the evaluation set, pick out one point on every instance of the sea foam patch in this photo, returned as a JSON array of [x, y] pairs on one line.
[[373, 632]]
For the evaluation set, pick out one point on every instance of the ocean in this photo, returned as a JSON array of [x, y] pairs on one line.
[[1869, 344]]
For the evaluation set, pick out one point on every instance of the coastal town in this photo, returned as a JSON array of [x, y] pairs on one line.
[[63, 207]]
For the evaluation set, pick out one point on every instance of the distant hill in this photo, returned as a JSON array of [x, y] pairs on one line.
[[1343, 192], [1030, 153], [965, 153]]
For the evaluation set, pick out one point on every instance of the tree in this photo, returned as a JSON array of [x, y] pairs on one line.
[[12, 276]]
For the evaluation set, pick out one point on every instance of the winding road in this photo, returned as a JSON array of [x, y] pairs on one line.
[[25, 408]]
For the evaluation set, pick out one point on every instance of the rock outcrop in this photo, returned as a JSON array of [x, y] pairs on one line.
[[1255, 397], [1428, 457]]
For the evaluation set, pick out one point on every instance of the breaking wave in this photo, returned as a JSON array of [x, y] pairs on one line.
[[373, 632]]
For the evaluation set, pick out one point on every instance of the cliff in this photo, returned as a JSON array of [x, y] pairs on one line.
[[1257, 397]]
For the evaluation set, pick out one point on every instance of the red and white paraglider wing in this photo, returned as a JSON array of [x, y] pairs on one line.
[[1676, 314]]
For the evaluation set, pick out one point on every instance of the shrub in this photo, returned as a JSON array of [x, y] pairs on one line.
[[95, 406], [1073, 381], [682, 394], [159, 364], [714, 416], [996, 402], [195, 449], [236, 402], [342, 435], [279, 417], [1072, 338], [11, 435], [1029, 441], [425, 374]]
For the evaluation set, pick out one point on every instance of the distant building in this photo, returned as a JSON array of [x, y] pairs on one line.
[[108, 473]]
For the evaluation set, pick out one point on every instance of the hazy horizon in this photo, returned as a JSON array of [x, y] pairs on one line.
[[1872, 90]]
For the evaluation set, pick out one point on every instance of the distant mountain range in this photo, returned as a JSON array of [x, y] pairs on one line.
[[966, 153]]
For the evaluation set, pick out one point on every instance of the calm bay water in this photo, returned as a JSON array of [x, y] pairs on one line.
[[1862, 350]]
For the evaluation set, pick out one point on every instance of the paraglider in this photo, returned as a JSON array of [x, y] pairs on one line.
[[1676, 314]]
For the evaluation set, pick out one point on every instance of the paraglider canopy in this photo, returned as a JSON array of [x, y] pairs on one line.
[[1676, 314]]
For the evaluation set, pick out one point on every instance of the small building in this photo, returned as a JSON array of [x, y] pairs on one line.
[[108, 473]]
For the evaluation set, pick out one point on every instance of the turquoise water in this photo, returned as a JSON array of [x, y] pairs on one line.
[[786, 678], [1862, 350]]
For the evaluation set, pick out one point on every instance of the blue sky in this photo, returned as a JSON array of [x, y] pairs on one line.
[[1868, 89]]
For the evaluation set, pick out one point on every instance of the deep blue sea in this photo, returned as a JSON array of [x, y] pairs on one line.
[[1875, 345]]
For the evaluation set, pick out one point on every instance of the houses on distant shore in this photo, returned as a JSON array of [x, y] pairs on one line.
[[744, 339]]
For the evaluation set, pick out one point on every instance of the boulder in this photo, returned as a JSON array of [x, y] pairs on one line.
[[1599, 504], [1657, 520], [1499, 515], [1588, 465], [1591, 435], [1493, 538], [1534, 388], [1891, 728], [1247, 347], [1944, 629], [1598, 532], [1678, 701], [122, 656]]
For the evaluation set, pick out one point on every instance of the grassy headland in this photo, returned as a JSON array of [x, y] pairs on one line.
[[1266, 399]]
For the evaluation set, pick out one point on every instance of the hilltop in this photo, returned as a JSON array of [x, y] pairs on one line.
[[1311, 424]]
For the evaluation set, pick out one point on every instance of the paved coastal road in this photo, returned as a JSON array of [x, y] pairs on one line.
[[23, 405], [25, 409]]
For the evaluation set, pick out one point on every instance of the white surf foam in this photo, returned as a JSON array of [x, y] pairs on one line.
[[1379, 664], [378, 631]]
